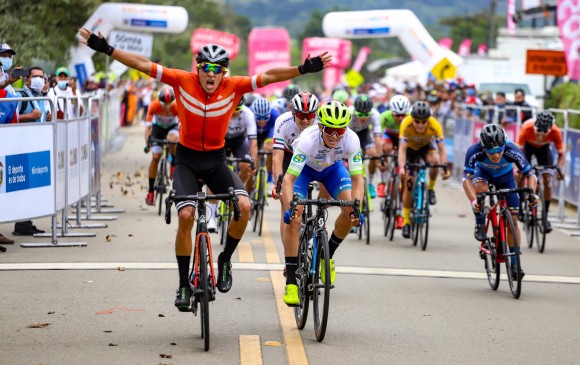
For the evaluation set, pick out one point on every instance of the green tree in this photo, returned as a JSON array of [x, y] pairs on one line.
[[474, 26]]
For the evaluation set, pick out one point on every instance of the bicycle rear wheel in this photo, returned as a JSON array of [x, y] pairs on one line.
[[512, 259], [542, 220], [321, 287], [529, 224], [395, 206], [203, 283], [302, 275], [367, 224], [416, 212], [424, 221]]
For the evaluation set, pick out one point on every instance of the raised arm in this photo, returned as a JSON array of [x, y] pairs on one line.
[[100, 44], [310, 65]]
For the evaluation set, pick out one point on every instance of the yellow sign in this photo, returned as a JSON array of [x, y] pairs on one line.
[[354, 78], [444, 69]]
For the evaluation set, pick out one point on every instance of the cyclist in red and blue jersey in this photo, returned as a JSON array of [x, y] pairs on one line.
[[491, 161]]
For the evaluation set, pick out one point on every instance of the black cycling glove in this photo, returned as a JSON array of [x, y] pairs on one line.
[[100, 45], [311, 65]]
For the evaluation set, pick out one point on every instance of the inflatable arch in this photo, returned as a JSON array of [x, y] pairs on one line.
[[402, 24], [124, 16]]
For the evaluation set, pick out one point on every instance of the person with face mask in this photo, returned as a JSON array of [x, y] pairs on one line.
[[62, 90], [33, 110], [6, 61]]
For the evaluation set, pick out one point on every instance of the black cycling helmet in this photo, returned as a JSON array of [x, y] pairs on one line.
[[421, 110], [290, 91], [363, 104], [213, 53], [166, 95], [491, 136], [242, 101], [544, 121]]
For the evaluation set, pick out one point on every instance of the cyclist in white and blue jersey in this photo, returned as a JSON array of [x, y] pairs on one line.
[[265, 121], [491, 161]]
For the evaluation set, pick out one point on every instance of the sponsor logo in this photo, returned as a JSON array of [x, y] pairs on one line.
[[357, 157], [299, 158]]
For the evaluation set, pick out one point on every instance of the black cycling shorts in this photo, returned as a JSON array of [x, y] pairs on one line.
[[415, 156], [237, 147], [209, 166], [543, 154], [365, 138]]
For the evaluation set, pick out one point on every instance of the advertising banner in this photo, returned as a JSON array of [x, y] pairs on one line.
[[569, 25], [84, 172], [26, 171], [73, 182], [268, 48], [95, 155], [446, 43], [132, 42], [60, 164], [340, 49], [203, 36], [465, 47]]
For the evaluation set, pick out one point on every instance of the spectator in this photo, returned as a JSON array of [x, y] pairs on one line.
[[34, 110], [520, 100], [500, 104], [65, 87], [7, 115], [6, 79]]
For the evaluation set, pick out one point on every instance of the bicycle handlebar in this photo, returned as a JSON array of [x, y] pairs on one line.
[[202, 197], [160, 141], [424, 166], [321, 202], [502, 192]]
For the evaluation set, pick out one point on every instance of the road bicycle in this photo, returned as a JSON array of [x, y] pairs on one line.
[[367, 204], [391, 204], [162, 180], [536, 218], [420, 212], [260, 191], [495, 249], [202, 276], [313, 248], [223, 210]]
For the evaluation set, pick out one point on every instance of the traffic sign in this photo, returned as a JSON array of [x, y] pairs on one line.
[[444, 69], [354, 78], [546, 62]]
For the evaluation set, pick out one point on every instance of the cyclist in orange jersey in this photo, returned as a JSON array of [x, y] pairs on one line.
[[206, 100]]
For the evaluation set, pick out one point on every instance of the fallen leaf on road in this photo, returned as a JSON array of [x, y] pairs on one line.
[[109, 237], [161, 315], [111, 185], [166, 356], [239, 298], [461, 215], [108, 331], [173, 344], [51, 312], [38, 325], [272, 343], [121, 309], [121, 268], [130, 235], [113, 344]]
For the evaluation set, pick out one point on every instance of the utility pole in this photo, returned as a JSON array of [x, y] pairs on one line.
[[491, 39]]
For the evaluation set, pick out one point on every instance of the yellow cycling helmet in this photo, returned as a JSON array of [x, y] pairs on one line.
[[334, 114]]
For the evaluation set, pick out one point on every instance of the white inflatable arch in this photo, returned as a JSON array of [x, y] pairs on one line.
[[125, 16], [402, 24]]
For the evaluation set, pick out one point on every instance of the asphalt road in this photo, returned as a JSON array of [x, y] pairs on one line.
[[111, 302]]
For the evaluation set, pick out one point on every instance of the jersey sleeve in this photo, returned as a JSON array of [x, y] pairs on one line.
[[558, 142], [404, 133], [278, 135], [438, 130], [246, 84], [355, 162], [376, 122], [524, 134], [251, 130], [150, 113], [169, 76], [472, 155], [298, 161], [513, 154]]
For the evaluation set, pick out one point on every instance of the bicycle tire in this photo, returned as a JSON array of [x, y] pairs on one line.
[[302, 276], [529, 224], [424, 220], [515, 285], [415, 214], [203, 283], [363, 208], [321, 288], [396, 205], [261, 201], [160, 184], [492, 268], [385, 209], [542, 220], [367, 226], [224, 222]]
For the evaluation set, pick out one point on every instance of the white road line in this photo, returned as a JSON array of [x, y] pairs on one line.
[[278, 267]]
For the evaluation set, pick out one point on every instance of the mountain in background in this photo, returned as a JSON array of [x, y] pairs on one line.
[[294, 14]]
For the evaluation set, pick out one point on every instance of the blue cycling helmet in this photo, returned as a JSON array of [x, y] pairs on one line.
[[261, 107]]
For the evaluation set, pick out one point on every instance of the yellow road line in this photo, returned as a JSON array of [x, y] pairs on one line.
[[250, 350], [271, 253], [295, 352], [245, 253]]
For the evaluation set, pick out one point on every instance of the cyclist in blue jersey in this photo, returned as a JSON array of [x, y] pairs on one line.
[[491, 161], [265, 122]]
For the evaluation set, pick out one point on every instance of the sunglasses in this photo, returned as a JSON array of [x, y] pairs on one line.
[[494, 150], [329, 131], [305, 115], [362, 115], [541, 131], [399, 115], [420, 121], [212, 67], [263, 117]]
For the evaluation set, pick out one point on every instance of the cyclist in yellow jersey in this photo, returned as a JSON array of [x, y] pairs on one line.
[[415, 143]]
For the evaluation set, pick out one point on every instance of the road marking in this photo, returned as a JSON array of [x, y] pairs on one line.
[[271, 252], [278, 267], [295, 352], [245, 253], [250, 350]]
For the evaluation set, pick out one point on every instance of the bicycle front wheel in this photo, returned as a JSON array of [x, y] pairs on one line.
[[529, 224], [542, 220], [203, 283], [302, 275], [488, 252], [512, 257], [162, 183], [321, 286], [395, 206], [224, 221]]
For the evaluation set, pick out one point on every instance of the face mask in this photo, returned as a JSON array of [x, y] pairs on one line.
[[63, 84], [6, 63], [36, 84], [500, 105]]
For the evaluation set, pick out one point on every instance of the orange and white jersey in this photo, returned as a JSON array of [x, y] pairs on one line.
[[204, 117]]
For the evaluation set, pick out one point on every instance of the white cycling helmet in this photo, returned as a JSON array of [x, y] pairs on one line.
[[399, 104]]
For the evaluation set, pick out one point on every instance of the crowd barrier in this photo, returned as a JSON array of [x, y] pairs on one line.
[[46, 168], [465, 131]]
